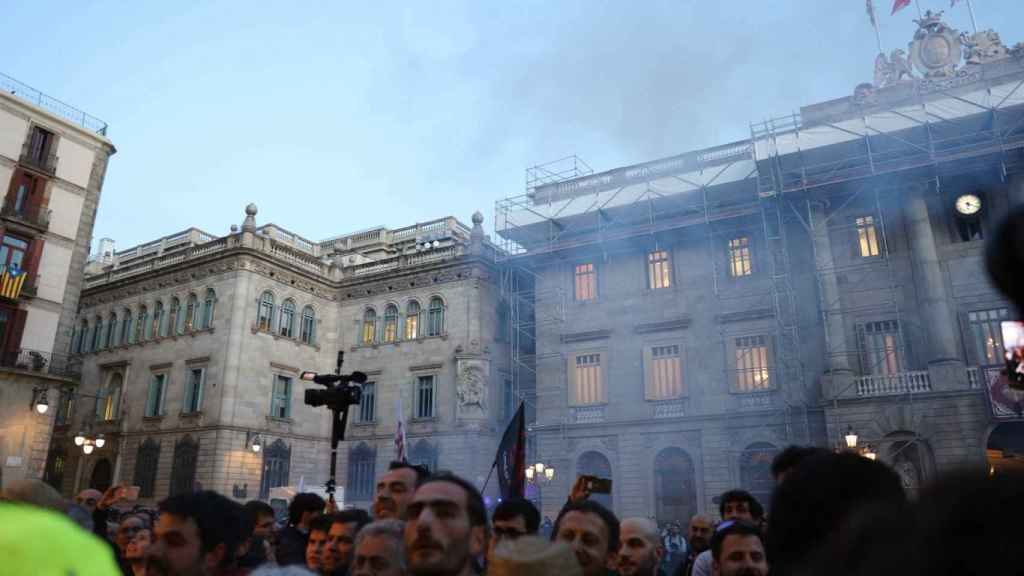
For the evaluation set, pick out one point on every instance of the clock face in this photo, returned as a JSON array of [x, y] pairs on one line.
[[968, 204]]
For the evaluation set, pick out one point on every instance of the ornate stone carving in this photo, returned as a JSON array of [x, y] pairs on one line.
[[984, 46], [471, 388], [937, 49], [894, 69]]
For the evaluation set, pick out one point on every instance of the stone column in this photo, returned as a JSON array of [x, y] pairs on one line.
[[945, 367], [838, 378]]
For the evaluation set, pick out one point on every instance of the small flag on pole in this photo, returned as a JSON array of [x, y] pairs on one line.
[[511, 458], [899, 5], [399, 430]]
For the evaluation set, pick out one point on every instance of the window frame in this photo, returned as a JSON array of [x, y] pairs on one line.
[[740, 257], [1001, 314], [650, 363], [192, 309], [287, 396], [591, 294], [416, 324], [659, 269], [867, 356], [160, 408], [308, 337], [209, 306], [735, 385], [127, 327], [368, 330], [573, 374], [391, 322], [867, 236], [265, 312], [417, 412], [8, 249], [189, 394], [436, 317], [369, 391], [286, 328]]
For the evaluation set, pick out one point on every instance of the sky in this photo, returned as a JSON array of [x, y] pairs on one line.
[[335, 117]]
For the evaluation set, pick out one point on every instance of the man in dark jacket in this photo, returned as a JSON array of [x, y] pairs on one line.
[[291, 542]]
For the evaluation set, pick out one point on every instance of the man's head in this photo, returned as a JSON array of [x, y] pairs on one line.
[[261, 516], [640, 547], [303, 508], [317, 542], [738, 550], [592, 531], [740, 505], [512, 518], [395, 490], [88, 499], [447, 526], [699, 533], [130, 526], [787, 460], [341, 537], [380, 549], [197, 533]]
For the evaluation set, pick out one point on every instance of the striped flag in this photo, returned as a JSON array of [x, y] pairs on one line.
[[899, 5], [399, 429], [11, 282]]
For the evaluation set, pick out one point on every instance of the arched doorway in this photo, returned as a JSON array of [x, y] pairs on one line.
[[276, 466], [910, 456], [1005, 448], [675, 496], [756, 471], [101, 475], [594, 463]]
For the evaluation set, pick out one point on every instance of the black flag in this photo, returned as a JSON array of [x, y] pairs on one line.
[[511, 458]]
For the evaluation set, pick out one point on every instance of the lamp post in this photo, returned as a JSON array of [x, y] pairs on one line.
[[851, 438], [540, 474]]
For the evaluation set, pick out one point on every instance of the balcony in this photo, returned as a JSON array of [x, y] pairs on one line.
[[894, 384], [588, 414], [42, 160], [669, 408], [47, 363], [37, 217]]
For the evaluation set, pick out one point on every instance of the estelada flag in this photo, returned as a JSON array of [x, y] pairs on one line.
[[511, 458], [899, 5]]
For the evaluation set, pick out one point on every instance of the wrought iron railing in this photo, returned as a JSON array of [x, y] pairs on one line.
[[50, 104], [32, 215], [42, 362], [40, 159]]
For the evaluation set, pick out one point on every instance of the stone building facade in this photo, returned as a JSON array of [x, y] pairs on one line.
[[193, 346], [53, 159], [696, 314]]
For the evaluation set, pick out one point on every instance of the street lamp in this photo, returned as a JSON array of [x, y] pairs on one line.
[[41, 403], [88, 446], [539, 474], [99, 441], [79, 438], [252, 440], [851, 438]]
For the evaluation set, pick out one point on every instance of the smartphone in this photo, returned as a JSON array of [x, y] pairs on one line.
[[131, 493], [597, 485], [1013, 344]]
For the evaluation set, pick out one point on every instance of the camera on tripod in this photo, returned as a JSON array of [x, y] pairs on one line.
[[341, 391]]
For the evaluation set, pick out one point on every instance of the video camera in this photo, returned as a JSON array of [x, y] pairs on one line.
[[342, 390]]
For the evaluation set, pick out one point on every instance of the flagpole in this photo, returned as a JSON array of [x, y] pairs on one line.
[[970, 10], [918, 4]]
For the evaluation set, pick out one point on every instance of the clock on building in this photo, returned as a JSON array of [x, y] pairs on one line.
[[968, 204]]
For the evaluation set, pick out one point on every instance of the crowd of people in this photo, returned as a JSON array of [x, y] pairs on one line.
[[831, 513]]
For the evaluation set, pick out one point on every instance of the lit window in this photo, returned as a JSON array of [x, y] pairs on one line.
[[435, 317], [752, 369], [308, 325], [391, 323], [867, 236], [369, 326], [880, 348], [659, 270], [287, 321], [739, 257], [586, 282], [266, 314], [664, 373], [588, 380], [412, 320], [109, 398], [194, 390], [281, 397], [155, 398], [368, 403], [987, 334], [425, 397]]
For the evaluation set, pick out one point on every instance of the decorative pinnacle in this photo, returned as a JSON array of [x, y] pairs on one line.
[[478, 218]]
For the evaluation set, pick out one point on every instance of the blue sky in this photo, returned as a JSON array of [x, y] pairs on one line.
[[334, 117]]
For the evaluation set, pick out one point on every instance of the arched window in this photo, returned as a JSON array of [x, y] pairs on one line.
[[175, 325], [211, 301], [412, 320], [126, 327], [101, 475], [435, 317], [142, 326], [158, 320], [276, 463], [183, 466], [391, 323], [369, 326], [596, 464], [756, 471], [109, 398], [266, 314], [82, 339], [675, 493], [361, 474], [97, 335], [308, 325], [147, 460], [287, 321], [424, 454], [112, 330], [191, 312]]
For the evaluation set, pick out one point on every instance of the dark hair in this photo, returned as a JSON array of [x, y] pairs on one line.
[[611, 522], [820, 495], [474, 501], [218, 518], [509, 509], [356, 516], [321, 523], [756, 510], [251, 511], [302, 503], [421, 471], [734, 528], [791, 457]]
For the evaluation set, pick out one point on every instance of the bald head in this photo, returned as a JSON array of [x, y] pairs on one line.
[[699, 533], [640, 549], [643, 527]]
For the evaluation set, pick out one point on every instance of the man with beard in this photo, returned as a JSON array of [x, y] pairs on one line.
[[592, 531], [447, 527], [699, 537], [341, 537], [737, 549], [197, 535], [395, 490], [733, 505], [258, 520], [640, 548], [512, 519]]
